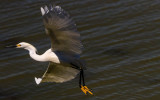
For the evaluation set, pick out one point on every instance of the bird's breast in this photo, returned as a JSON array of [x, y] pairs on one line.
[[53, 57]]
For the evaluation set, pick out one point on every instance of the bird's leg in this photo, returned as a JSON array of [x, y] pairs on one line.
[[83, 87], [80, 79]]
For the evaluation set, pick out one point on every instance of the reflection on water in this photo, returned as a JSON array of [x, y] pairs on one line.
[[121, 40]]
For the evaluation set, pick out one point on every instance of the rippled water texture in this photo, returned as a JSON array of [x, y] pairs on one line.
[[122, 50]]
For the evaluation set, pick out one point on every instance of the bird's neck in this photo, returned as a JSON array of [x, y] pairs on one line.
[[32, 52]]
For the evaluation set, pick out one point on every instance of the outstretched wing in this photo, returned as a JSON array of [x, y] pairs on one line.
[[61, 30], [58, 73]]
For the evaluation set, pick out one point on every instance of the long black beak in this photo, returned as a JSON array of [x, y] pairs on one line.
[[11, 46]]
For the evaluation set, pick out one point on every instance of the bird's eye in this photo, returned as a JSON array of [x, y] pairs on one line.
[[18, 45]]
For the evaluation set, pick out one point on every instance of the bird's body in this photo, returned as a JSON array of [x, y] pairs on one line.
[[64, 54]]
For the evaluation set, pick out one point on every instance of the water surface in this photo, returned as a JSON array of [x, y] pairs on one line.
[[121, 47]]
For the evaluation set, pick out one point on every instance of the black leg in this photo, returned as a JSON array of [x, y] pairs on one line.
[[83, 77], [83, 87], [80, 79]]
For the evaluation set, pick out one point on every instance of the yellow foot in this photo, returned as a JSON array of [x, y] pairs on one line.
[[85, 90]]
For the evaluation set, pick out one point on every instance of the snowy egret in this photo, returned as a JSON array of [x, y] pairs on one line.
[[64, 55]]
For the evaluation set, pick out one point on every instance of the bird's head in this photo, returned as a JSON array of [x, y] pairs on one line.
[[23, 45]]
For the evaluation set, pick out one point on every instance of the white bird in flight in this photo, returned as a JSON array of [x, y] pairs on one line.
[[64, 55]]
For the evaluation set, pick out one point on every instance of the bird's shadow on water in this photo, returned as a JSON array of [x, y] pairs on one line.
[[116, 51], [111, 51]]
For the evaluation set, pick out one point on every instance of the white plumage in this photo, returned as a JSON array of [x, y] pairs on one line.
[[42, 11], [38, 80]]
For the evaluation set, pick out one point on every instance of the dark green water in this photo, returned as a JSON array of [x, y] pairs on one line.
[[122, 50]]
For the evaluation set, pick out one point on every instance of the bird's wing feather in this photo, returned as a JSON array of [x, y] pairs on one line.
[[59, 73], [61, 29]]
